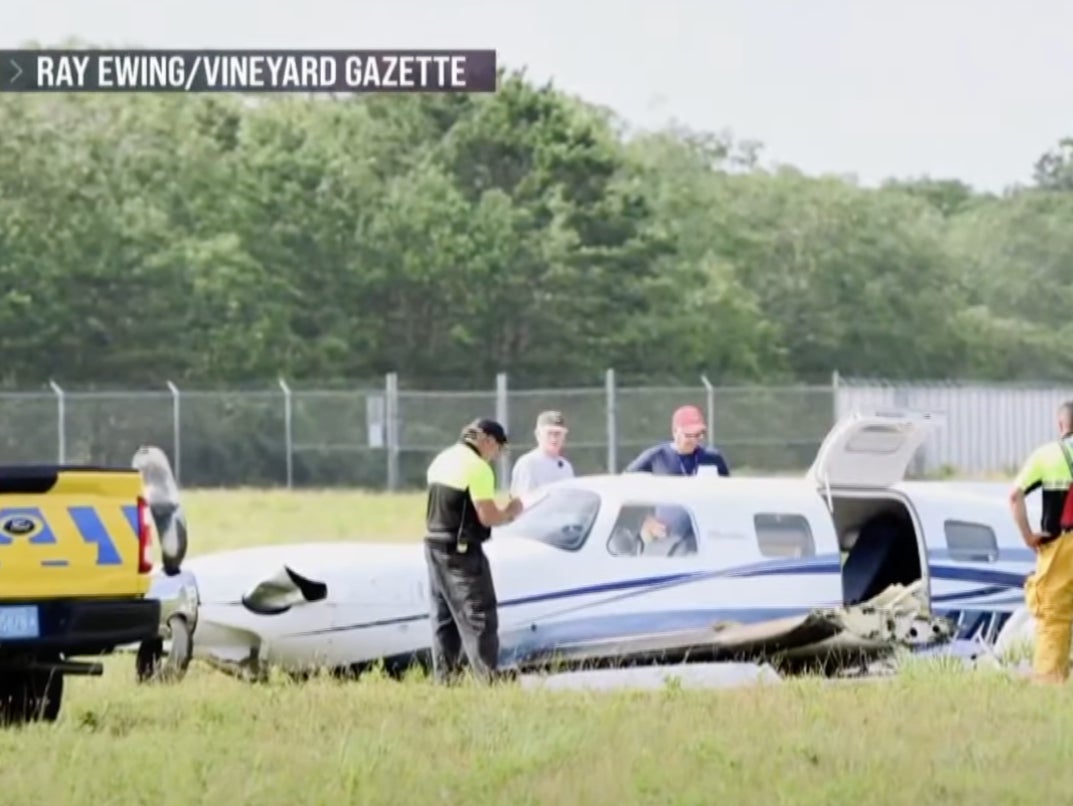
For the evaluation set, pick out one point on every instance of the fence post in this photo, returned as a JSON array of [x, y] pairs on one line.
[[391, 415], [288, 431], [710, 393], [502, 415], [176, 438], [61, 423], [612, 426]]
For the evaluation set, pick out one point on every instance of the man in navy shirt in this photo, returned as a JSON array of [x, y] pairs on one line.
[[684, 455]]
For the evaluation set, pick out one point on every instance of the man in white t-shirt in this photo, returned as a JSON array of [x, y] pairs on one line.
[[545, 463]]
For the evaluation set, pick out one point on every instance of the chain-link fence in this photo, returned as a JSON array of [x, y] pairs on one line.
[[382, 437]]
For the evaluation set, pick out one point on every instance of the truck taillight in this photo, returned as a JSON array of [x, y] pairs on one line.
[[145, 537]]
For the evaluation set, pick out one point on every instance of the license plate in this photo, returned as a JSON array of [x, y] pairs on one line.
[[19, 622]]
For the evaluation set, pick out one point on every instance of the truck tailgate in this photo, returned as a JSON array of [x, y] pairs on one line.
[[69, 532]]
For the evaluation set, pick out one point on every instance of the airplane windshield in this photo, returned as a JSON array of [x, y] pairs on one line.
[[560, 517]]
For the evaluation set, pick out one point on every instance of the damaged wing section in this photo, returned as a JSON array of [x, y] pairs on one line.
[[896, 617], [282, 591]]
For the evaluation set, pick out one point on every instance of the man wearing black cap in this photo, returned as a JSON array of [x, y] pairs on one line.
[[460, 515]]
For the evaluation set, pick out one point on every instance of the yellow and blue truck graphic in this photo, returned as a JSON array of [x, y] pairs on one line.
[[75, 563]]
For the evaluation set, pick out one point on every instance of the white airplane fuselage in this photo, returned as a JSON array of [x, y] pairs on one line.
[[376, 604]]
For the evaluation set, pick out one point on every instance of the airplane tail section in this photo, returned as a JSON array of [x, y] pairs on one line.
[[165, 504]]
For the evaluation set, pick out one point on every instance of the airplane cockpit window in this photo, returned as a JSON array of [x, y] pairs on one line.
[[664, 530], [971, 542], [784, 535], [561, 517]]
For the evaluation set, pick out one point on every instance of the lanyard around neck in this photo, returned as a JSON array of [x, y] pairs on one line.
[[682, 464]]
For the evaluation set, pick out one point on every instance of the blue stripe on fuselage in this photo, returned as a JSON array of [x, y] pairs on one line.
[[994, 582]]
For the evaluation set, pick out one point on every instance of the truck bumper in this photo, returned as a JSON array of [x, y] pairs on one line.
[[73, 627]]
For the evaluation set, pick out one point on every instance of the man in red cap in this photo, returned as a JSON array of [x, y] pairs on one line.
[[685, 454]]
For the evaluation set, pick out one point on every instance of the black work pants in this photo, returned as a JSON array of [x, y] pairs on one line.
[[463, 611]]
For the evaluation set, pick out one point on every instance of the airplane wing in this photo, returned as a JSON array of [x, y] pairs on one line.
[[893, 618]]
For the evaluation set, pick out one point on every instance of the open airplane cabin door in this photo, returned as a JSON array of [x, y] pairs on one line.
[[879, 533], [872, 449]]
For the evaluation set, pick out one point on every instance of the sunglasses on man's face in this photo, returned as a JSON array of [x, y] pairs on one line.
[[694, 434]]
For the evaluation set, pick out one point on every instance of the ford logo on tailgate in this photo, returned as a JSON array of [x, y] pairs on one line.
[[19, 525]]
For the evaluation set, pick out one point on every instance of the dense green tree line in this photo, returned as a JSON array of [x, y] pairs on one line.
[[225, 240]]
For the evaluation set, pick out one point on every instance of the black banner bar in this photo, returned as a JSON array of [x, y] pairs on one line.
[[338, 71]]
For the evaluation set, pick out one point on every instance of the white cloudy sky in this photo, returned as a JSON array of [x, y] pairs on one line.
[[974, 89]]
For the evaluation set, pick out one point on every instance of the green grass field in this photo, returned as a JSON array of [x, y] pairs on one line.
[[933, 735]]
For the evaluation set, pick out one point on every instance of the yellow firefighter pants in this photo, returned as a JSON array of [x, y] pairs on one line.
[[1049, 597]]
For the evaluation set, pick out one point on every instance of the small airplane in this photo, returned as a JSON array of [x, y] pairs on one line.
[[840, 567]]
